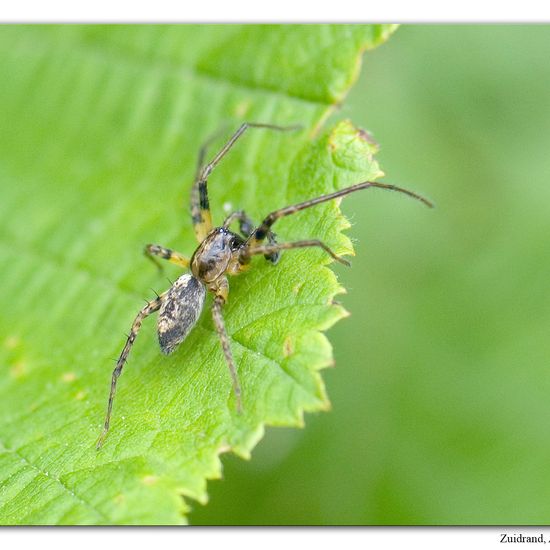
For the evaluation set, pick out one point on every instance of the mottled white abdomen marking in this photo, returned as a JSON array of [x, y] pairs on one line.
[[180, 311]]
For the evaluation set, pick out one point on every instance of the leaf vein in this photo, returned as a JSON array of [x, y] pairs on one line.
[[64, 487]]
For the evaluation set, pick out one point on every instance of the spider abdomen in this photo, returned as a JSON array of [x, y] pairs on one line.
[[180, 311]]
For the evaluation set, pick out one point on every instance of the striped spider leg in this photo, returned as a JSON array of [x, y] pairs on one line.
[[254, 244]]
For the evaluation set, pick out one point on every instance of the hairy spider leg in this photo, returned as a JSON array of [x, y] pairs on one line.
[[262, 231], [270, 249], [204, 149], [254, 243], [151, 307], [152, 250], [200, 206], [201, 220], [217, 304]]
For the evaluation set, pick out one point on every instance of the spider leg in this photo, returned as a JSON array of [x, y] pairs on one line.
[[262, 231], [204, 149], [151, 307], [152, 250], [219, 323], [246, 227], [270, 249], [200, 207]]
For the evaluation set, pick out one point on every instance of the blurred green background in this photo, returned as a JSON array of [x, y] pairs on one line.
[[440, 391], [440, 412]]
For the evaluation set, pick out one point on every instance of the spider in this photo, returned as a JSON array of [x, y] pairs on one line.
[[221, 252]]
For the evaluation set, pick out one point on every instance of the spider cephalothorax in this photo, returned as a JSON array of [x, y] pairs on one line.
[[220, 253], [217, 255]]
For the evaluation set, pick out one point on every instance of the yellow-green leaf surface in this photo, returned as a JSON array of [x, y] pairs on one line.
[[99, 136]]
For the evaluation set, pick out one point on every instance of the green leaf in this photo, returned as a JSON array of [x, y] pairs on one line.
[[101, 127]]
